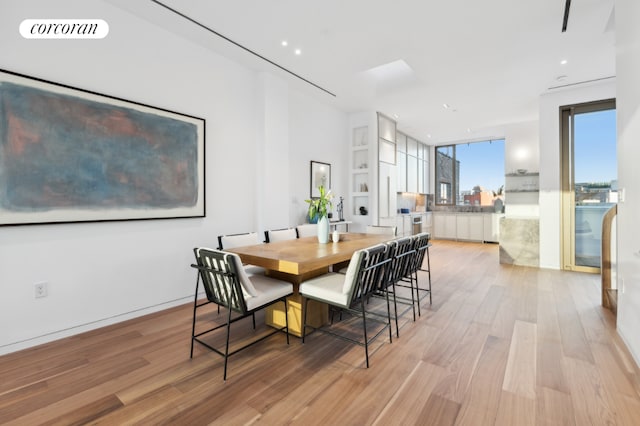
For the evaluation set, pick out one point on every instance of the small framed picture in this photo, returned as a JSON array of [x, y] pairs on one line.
[[320, 176]]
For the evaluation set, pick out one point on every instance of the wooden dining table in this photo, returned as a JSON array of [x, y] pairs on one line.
[[299, 260]]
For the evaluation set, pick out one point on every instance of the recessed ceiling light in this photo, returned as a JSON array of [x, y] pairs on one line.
[[396, 116], [563, 62], [297, 51], [446, 106], [284, 43], [468, 130], [428, 135]]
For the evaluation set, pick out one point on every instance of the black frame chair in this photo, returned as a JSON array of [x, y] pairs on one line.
[[267, 234], [421, 244], [222, 284], [372, 266], [402, 254]]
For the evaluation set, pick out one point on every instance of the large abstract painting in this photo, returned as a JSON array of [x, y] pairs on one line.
[[69, 155]]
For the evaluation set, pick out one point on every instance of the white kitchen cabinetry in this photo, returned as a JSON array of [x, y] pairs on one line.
[[387, 198], [412, 165], [427, 223], [492, 227], [412, 158], [401, 159], [387, 173], [444, 225], [467, 226]]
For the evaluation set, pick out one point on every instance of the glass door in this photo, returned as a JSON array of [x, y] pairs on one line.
[[589, 181]]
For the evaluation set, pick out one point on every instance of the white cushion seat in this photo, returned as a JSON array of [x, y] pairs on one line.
[[266, 290], [333, 287], [326, 287]]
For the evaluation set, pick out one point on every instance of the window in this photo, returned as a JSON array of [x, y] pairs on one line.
[[470, 174]]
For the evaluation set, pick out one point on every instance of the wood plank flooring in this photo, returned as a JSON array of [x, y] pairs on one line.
[[501, 345]]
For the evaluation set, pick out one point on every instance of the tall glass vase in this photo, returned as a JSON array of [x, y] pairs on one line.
[[323, 230]]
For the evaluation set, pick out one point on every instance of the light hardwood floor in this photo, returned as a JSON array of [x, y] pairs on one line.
[[500, 345]]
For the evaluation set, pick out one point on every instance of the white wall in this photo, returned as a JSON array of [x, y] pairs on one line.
[[550, 162], [628, 114], [316, 133], [100, 273], [522, 151]]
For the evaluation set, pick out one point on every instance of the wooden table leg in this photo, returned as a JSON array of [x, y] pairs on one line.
[[318, 314]]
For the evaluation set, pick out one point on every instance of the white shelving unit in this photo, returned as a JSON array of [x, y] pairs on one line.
[[360, 166]]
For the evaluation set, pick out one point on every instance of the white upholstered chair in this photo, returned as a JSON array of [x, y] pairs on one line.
[[350, 292], [275, 235], [230, 241], [227, 284], [226, 242], [307, 230], [384, 230]]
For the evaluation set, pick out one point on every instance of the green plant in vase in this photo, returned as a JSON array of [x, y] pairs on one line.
[[319, 208]]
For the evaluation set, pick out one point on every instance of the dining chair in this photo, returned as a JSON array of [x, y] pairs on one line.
[[226, 242], [226, 284], [350, 293], [307, 230], [402, 254], [230, 241], [280, 235], [421, 244], [384, 230]]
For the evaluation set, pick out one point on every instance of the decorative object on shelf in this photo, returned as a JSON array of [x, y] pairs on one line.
[[363, 210], [320, 177], [319, 208], [70, 155], [340, 208]]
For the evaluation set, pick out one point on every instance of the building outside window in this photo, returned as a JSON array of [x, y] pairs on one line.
[[470, 174]]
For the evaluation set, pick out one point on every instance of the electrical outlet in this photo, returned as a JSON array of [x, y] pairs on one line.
[[40, 289]]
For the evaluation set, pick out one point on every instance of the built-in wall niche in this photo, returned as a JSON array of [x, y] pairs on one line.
[[522, 181], [360, 160], [360, 171]]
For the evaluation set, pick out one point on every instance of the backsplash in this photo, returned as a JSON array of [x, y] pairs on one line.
[[412, 202]]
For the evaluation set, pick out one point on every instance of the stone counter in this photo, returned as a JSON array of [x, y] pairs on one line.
[[520, 241]]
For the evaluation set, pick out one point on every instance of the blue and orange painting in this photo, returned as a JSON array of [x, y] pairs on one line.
[[59, 151]]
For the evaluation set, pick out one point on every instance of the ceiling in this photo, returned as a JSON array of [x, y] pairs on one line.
[[488, 60]]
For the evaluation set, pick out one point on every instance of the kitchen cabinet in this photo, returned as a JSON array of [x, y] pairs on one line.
[[492, 227], [387, 173], [412, 173], [427, 223], [401, 162], [412, 158], [387, 198], [444, 225], [467, 226]]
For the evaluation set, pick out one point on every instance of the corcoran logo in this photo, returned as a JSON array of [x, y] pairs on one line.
[[64, 28]]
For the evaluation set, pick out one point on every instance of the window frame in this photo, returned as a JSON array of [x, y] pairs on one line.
[[454, 181]]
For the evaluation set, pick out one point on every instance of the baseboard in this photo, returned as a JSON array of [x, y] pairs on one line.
[[71, 331], [626, 342]]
